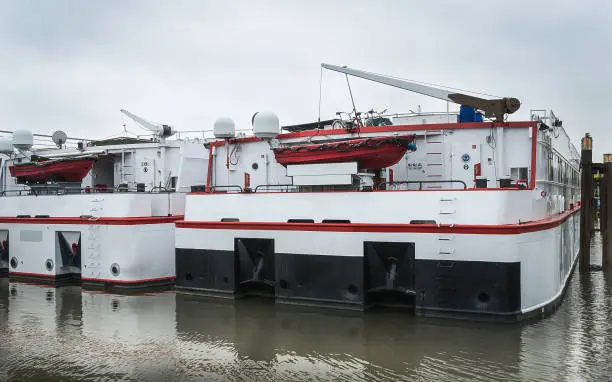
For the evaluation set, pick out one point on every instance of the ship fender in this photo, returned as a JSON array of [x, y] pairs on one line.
[[4, 252], [389, 275], [255, 265], [69, 249]]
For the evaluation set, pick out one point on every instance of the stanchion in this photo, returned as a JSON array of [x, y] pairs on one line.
[[605, 195], [586, 203]]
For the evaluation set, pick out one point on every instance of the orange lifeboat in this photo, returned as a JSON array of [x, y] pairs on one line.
[[65, 170], [370, 153]]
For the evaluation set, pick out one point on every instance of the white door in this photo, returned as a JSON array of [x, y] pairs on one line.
[[465, 163]]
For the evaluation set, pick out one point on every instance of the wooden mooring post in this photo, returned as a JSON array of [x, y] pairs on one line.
[[586, 202], [605, 199]]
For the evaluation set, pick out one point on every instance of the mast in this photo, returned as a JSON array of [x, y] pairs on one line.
[[492, 108]]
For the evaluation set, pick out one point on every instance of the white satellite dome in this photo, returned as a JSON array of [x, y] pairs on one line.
[[224, 128], [6, 146], [23, 139], [266, 125]]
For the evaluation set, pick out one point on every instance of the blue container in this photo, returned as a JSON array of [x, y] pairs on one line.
[[469, 114]]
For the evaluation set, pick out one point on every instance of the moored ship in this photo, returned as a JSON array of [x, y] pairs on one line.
[[100, 212], [477, 218]]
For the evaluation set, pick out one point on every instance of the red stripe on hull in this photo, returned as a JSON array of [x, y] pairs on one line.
[[87, 221], [28, 274], [128, 282], [472, 229], [346, 191]]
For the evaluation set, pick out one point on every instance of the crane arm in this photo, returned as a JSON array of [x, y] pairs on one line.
[[142, 122], [161, 130], [495, 108]]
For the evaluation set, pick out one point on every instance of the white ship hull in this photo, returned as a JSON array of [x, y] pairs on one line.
[[506, 270], [104, 240], [440, 248]]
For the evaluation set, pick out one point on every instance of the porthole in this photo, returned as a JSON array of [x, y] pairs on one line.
[[14, 262], [352, 289], [114, 269], [49, 265], [254, 166]]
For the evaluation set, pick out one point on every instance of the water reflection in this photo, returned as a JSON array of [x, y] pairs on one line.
[[4, 314], [274, 343], [70, 334], [133, 335]]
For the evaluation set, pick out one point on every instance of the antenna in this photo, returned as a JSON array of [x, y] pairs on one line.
[[59, 137]]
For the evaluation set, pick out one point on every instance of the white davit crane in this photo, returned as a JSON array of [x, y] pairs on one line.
[[492, 108], [161, 131]]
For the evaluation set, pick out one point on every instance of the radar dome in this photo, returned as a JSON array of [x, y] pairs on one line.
[[266, 125], [23, 139], [224, 128], [6, 146]]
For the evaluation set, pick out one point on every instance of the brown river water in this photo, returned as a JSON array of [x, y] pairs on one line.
[[65, 334]]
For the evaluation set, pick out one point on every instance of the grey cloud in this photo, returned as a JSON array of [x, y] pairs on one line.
[[74, 64]]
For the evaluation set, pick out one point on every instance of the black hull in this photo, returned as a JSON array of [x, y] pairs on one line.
[[4, 272], [508, 316], [385, 274]]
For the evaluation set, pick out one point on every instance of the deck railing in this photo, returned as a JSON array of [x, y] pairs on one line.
[[420, 183]]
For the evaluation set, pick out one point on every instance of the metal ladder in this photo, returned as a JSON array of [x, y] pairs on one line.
[[434, 158], [447, 215]]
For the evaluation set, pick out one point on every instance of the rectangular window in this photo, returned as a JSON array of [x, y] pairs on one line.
[[519, 173]]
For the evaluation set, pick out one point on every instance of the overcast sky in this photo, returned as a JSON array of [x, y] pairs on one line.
[[72, 64]]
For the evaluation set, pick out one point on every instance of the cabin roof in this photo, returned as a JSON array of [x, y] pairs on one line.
[[118, 141], [307, 126]]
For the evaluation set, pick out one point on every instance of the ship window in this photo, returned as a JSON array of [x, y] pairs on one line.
[[551, 172], [229, 220], [336, 221], [300, 221], [519, 173]]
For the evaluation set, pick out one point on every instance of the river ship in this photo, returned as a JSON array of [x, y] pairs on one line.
[[473, 216]]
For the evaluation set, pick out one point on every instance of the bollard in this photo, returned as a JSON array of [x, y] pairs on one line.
[[605, 195], [586, 203]]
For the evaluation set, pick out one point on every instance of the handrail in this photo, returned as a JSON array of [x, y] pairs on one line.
[[420, 183], [163, 190], [213, 188], [75, 191], [267, 186]]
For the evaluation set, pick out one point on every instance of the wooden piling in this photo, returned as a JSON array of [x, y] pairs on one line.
[[586, 202], [605, 198]]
